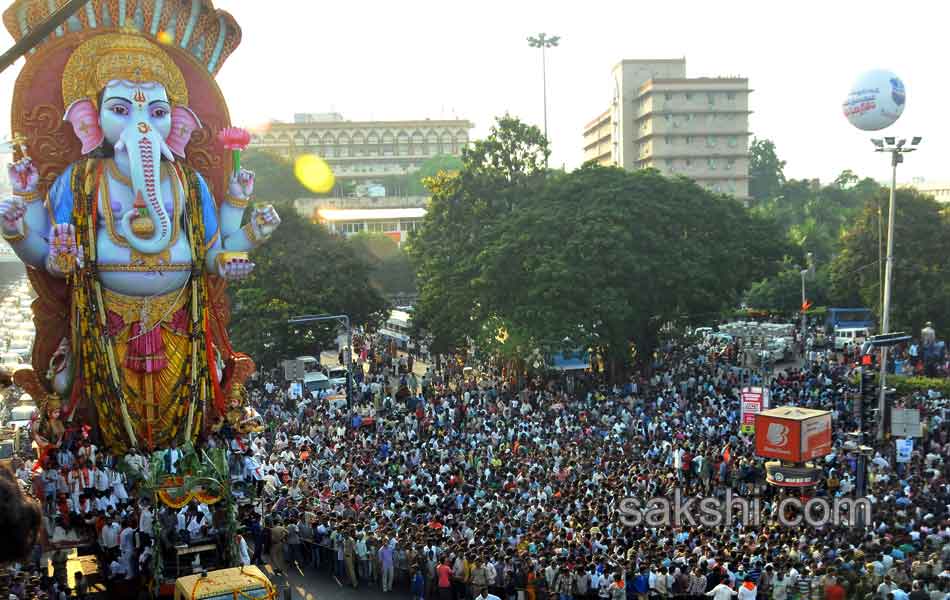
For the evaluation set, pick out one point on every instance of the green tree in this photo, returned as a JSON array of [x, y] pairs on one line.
[[766, 170], [274, 177], [921, 245], [603, 258], [465, 208], [783, 292], [430, 168], [392, 273], [303, 269]]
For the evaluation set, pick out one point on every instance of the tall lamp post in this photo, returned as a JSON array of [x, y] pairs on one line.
[[345, 321], [896, 148], [543, 41]]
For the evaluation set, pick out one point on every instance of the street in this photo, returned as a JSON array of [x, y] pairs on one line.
[[312, 585]]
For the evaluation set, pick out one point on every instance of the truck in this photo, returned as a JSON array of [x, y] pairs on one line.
[[849, 318]]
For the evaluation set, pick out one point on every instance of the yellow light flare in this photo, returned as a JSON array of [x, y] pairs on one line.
[[314, 173], [164, 37]]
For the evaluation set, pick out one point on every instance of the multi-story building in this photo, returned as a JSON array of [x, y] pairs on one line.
[[659, 118], [364, 149], [940, 190]]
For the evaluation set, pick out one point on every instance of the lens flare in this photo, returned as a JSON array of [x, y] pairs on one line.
[[164, 37], [314, 173]]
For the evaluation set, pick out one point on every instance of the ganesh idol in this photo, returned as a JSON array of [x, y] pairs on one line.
[[130, 218]]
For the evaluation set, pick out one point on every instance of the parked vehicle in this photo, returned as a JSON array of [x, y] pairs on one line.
[[850, 336], [316, 382], [337, 375]]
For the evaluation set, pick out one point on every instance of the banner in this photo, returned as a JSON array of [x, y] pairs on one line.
[[905, 448], [753, 400]]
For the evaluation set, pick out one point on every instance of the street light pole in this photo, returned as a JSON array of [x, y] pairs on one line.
[[543, 41], [897, 149], [345, 321]]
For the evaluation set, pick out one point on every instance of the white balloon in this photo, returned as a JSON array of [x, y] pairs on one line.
[[876, 100]]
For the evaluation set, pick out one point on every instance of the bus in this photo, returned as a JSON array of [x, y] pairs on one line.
[[398, 327]]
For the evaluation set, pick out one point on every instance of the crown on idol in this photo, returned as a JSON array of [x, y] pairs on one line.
[[193, 26]]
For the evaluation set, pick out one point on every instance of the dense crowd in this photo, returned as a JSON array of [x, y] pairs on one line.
[[455, 484], [473, 486]]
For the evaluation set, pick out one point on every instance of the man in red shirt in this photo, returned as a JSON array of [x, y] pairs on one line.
[[444, 573], [835, 591]]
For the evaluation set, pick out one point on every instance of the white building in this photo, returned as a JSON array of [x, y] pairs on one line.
[[396, 223]]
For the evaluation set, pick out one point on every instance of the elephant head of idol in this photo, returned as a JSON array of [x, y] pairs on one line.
[[125, 97]]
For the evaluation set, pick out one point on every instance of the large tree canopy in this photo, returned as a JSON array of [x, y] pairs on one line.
[[600, 257], [465, 209], [921, 286], [303, 269]]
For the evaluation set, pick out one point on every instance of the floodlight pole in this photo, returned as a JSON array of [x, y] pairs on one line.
[[543, 41], [897, 150]]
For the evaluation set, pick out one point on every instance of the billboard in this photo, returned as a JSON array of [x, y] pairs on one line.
[[793, 434], [753, 401], [905, 422]]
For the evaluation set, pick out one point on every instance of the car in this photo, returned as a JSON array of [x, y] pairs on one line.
[[850, 336], [316, 382], [337, 375]]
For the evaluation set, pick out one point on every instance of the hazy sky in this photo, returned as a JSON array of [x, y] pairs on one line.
[[420, 58]]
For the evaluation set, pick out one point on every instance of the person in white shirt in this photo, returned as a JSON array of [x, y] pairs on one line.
[[117, 480], [146, 519], [748, 589], [109, 538], [243, 554], [722, 592]]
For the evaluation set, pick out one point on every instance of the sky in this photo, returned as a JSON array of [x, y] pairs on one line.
[[416, 59]]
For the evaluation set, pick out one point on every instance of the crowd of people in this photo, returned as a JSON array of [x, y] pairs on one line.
[[465, 486], [460, 484]]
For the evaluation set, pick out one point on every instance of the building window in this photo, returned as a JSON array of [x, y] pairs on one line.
[[390, 227], [730, 164], [711, 98], [669, 163], [689, 163], [668, 117], [668, 140], [689, 140], [731, 96], [710, 141], [668, 96], [711, 163], [733, 142], [717, 188], [689, 96]]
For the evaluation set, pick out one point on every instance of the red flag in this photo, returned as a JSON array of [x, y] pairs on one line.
[[726, 454], [806, 305]]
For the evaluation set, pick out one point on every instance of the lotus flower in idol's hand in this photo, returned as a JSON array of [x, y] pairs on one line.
[[234, 139]]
